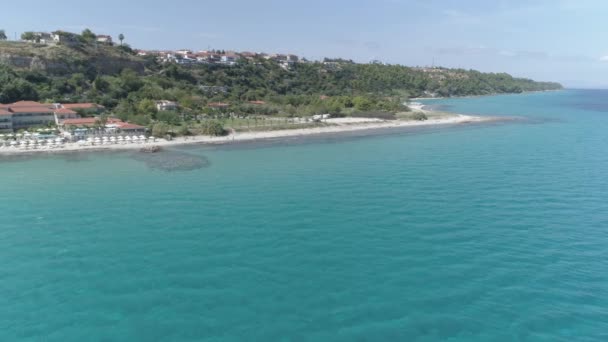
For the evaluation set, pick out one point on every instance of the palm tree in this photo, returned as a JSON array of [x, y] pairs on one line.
[[121, 37]]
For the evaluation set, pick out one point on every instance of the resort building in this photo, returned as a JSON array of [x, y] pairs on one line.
[[62, 114], [6, 120], [112, 125], [27, 114]]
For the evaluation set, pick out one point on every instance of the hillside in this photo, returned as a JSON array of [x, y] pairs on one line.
[[60, 59], [129, 85]]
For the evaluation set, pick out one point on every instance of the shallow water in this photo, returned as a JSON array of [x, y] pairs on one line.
[[484, 232]]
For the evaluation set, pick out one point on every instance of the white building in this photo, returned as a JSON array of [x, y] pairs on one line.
[[166, 105]]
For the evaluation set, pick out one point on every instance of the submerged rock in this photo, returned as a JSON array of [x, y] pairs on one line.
[[151, 149], [172, 161]]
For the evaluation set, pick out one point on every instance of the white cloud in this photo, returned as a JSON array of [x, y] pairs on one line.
[[604, 58]]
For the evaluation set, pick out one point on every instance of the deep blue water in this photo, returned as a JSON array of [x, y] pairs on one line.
[[495, 232]]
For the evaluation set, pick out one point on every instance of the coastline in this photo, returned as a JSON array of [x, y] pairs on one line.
[[475, 96], [338, 125]]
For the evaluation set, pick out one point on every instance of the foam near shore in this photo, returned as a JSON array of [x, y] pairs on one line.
[[336, 125]]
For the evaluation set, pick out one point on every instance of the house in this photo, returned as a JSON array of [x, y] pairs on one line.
[[67, 38], [229, 59], [259, 103], [248, 55], [104, 39], [166, 105], [218, 105], [41, 38]]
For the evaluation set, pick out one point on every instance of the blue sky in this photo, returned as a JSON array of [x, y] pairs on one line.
[[556, 40]]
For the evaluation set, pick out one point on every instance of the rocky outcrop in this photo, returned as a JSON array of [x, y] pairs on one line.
[[58, 60]]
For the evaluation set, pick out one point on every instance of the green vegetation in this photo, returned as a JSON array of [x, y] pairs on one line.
[[128, 85]]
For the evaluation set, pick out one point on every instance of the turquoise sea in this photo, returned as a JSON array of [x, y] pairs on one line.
[[492, 232]]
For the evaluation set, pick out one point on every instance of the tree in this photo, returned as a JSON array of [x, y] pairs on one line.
[[3, 35], [28, 36], [147, 107], [121, 37], [160, 129], [88, 36], [213, 128]]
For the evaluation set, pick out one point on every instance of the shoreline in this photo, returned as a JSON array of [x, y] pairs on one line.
[[338, 125], [475, 96]]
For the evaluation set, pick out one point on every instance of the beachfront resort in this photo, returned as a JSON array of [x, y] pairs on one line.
[[34, 125]]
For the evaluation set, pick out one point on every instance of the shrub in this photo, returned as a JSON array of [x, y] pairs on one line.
[[213, 128], [419, 116], [160, 129]]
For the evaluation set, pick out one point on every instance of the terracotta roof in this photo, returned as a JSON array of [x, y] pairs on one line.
[[88, 121], [28, 104], [257, 102], [31, 109], [81, 105], [218, 104], [126, 125], [64, 111], [5, 112]]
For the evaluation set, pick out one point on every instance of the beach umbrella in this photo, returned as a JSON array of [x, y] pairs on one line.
[[128, 138], [13, 143], [58, 140]]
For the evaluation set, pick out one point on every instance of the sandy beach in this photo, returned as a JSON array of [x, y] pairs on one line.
[[336, 125]]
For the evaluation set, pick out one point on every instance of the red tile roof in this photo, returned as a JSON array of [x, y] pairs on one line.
[[81, 105], [5, 112], [29, 104], [126, 125], [65, 111], [257, 102], [31, 109], [218, 104], [88, 121]]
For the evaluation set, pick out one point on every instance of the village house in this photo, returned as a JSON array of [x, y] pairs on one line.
[[41, 38], [104, 39], [229, 58], [166, 105], [66, 38], [218, 105]]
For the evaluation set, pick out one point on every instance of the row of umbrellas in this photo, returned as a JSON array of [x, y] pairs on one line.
[[26, 144], [116, 140]]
